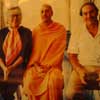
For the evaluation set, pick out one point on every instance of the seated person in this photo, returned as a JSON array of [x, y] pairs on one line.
[[15, 49], [43, 79], [84, 55]]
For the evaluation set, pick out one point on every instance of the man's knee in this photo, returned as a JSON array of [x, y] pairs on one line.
[[73, 94], [69, 95]]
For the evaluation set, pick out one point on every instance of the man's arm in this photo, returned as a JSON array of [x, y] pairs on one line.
[[77, 66]]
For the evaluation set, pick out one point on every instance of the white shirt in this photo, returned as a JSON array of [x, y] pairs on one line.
[[86, 46]]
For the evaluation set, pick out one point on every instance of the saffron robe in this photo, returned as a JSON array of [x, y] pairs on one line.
[[44, 73]]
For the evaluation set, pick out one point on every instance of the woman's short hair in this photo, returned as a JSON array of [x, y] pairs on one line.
[[13, 8]]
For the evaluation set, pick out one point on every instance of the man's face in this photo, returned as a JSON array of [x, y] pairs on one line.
[[46, 13], [89, 14], [14, 18]]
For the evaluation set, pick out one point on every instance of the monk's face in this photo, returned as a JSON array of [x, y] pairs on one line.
[[14, 18], [89, 14], [46, 13]]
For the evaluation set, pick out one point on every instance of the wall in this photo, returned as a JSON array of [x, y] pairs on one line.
[[31, 12], [65, 11]]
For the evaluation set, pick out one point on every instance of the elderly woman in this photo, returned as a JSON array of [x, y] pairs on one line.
[[15, 49]]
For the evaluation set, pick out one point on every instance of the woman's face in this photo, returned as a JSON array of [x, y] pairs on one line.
[[14, 18]]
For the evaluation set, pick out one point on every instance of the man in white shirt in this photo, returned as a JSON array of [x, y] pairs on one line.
[[84, 55]]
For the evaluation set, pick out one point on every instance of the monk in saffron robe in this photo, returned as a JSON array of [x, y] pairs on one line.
[[43, 79]]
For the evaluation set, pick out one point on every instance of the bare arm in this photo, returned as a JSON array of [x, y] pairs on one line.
[[74, 61], [77, 66], [13, 66], [16, 63], [4, 68], [2, 65]]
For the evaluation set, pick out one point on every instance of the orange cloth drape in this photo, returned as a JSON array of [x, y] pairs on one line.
[[46, 74], [12, 46]]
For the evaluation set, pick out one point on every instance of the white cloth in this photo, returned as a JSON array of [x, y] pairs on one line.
[[86, 46]]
